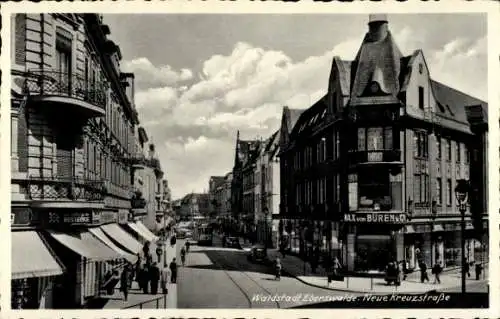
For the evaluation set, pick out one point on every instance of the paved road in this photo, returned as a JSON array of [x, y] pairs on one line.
[[480, 286], [216, 277]]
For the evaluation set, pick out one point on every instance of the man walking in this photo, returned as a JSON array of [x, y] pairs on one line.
[[124, 281], [154, 275], [165, 274], [173, 270], [436, 270], [423, 272]]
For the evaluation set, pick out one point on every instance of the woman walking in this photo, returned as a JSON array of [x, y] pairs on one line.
[[124, 282]]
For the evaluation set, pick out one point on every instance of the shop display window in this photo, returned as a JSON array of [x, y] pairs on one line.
[[372, 252]]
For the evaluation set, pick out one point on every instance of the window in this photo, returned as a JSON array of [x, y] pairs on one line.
[[421, 97], [439, 198], [467, 154], [337, 187], [361, 138], [459, 150], [63, 59], [447, 145], [421, 182], [374, 190], [438, 147], [420, 68], [336, 144], [449, 193], [375, 138], [420, 144], [353, 192]]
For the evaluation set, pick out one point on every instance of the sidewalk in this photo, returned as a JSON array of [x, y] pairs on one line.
[[295, 267], [137, 299]]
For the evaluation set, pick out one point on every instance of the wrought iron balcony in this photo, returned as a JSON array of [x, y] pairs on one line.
[[68, 89], [375, 157], [65, 189]]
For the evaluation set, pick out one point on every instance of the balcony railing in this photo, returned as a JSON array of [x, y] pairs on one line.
[[65, 189], [381, 156], [63, 84]]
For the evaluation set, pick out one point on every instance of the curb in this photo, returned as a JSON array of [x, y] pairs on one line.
[[359, 291]]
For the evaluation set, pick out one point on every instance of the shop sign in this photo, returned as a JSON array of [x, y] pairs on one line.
[[20, 216], [104, 217], [375, 218], [77, 218]]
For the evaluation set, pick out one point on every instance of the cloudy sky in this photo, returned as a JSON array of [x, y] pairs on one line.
[[200, 78]]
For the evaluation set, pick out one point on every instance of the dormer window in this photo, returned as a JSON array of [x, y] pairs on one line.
[[420, 68], [374, 87], [421, 97]]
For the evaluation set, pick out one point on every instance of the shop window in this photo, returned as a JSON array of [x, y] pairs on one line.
[[372, 252], [459, 150], [374, 190], [452, 254], [361, 138], [374, 139], [388, 139], [467, 154]]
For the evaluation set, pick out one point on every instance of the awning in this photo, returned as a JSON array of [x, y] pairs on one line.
[[409, 229], [122, 237], [31, 257], [85, 244], [139, 230], [98, 232], [147, 231], [437, 227]]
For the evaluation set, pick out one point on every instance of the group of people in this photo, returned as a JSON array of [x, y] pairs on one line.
[[145, 272]]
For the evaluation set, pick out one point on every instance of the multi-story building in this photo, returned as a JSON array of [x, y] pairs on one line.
[[226, 202], [72, 128], [216, 193], [267, 178], [251, 190], [241, 179], [372, 166]]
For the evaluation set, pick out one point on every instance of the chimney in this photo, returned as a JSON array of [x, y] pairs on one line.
[[378, 27], [151, 153]]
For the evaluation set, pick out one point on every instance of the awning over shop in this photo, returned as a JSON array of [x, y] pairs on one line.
[[99, 233], [146, 230], [139, 230], [409, 229], [122, 237], [86, 245], [31, 257], [437, 227]]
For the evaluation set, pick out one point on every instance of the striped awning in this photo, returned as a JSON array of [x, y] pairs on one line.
[[122, 237], [86, 245], [147, 231], [31, 257], [99, 233]]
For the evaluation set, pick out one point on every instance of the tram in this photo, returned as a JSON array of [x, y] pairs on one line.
[[203, 234]]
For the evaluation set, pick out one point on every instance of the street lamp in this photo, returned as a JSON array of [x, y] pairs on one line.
[[266, 239], [462, 194]]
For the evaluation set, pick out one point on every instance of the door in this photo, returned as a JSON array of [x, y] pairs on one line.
[[64, 157]]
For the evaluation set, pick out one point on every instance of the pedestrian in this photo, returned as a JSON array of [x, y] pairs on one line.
[[165, 274], [436, 271], [467, 269], [183, 256], [278, 268], [154, 275], [173, 240], [187, 246], [111, 282], [145, 249], [124, 280], [423, 272], [145, 278], [479, 270], [404, 268], [173, 271], [159, 251]]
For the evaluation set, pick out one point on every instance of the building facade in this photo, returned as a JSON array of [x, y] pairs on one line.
[[267, 178], [216, 195], [372, 166], [72, 128]]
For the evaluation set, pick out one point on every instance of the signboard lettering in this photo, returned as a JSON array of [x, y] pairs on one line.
[[77, 218], [375, 156], [390, 218]]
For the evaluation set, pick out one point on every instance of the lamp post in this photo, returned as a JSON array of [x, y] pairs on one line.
[[266, 237], [462, 193], [164, 204]]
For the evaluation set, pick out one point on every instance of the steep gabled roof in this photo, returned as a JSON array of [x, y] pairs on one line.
[[455, 102], [217, 180], [344, 74], [294, 117], [311, 116]]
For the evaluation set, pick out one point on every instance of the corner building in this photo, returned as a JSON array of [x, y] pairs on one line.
[[369, 171]]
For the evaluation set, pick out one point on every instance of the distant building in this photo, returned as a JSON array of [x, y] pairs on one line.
[[216, 194]]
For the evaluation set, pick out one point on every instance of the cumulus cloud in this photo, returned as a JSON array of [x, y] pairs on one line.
[[147, 74], [246, 89]]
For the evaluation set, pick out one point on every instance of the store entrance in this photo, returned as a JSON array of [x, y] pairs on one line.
[[373, 252]]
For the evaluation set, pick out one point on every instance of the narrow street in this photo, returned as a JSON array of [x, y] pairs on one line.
[[216, 277]]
